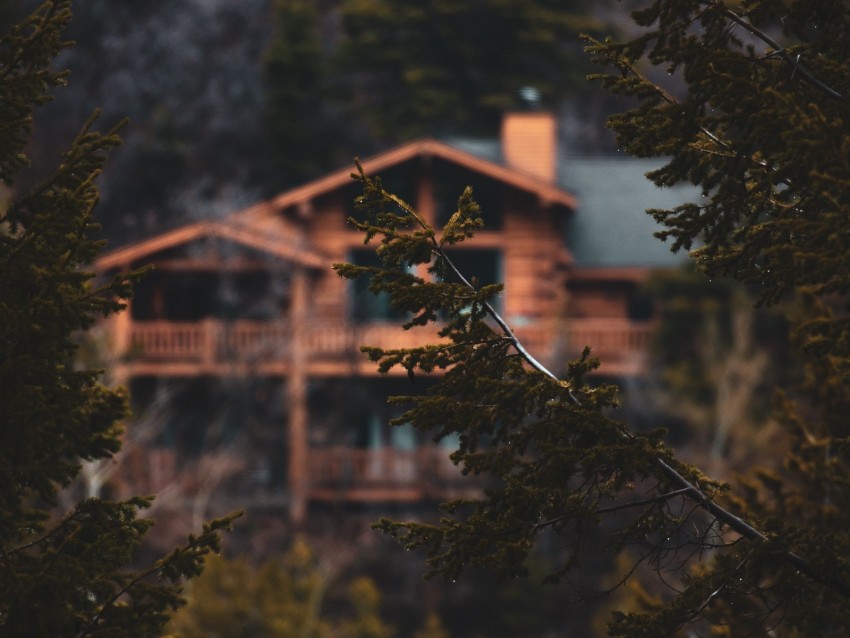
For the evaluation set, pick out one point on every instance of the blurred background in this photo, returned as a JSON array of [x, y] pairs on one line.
[[230, 103]]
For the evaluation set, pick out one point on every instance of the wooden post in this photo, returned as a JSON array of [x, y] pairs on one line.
[[210, 336], [121, 342], [297, 397]]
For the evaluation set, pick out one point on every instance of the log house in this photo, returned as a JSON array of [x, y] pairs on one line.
[[253, 296]]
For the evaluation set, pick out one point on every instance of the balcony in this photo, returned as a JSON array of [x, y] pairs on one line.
[[384, 474], [333, 347], [333, 474]]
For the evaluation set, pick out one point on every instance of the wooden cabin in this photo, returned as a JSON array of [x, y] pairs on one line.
[[250, 302]]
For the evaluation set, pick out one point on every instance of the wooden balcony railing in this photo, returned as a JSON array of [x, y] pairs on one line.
[[609, 337], [383, 473], [211, 341]]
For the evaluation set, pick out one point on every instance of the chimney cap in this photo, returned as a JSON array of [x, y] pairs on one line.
[[529, 98]]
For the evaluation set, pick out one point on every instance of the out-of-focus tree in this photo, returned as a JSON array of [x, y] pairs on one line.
[[762, 129], [716, 361], [63, 574], [437, 66], [366, 603], [188, 76], [230, 102], [285, 597], [302, 131], [433, 628], [233, 598]]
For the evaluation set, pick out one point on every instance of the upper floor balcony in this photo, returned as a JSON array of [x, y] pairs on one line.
[[333, 348]]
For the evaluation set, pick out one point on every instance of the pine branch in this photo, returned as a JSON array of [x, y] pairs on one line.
[[683, 486], [777, 50]]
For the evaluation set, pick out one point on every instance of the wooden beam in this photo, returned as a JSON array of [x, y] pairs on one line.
[[297, 399]]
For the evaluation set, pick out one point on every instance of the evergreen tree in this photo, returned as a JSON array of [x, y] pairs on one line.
[[715, 361], [366, 602], [440, 66], [301, 131], [282, 597], [63, 576], [761, 128]]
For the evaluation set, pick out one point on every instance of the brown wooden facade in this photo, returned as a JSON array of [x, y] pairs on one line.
[[286, 315]]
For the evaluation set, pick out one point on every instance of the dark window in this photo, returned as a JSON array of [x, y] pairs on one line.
[[193, 296], [639, 305], [449, 182], [364, 304]]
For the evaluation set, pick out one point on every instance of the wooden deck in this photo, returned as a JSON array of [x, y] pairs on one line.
[[384, 475], [336, 473], [206, 347]]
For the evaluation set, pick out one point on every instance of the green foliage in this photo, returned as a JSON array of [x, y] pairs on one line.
[[437, 66], [553, 459], [284, 597], [762, 132], [366, 601], [68, 576], [299, 126], [716, 361], [433, 628], [760, 127]]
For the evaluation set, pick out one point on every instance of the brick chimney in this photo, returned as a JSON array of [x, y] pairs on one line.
[[529, 143]]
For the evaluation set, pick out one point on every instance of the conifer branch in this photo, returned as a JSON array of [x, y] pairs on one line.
[[684, 487], [779, 50], [626, 67], [503, 325], [646, 501]]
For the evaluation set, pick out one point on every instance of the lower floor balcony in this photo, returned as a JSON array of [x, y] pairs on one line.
[[385, 475], [334, 474]]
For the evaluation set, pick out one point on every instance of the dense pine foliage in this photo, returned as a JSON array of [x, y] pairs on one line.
[[761, 128], [63, 574]]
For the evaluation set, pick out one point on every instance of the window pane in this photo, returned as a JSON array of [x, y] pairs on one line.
[[365, 305], [449, 182]]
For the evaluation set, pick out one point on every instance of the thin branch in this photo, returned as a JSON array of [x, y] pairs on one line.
[[714, 594], [647, 501], [779, 50], [685, 487]]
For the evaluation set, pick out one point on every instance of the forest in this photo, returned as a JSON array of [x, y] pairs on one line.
[[705, 498]]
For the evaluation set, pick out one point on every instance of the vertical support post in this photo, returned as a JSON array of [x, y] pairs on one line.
[[210, 337], [121, 326], [297, 397]]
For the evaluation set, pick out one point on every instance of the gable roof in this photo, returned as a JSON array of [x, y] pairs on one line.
[[548, 193], [611, 228], [271, 242], [240, 226]]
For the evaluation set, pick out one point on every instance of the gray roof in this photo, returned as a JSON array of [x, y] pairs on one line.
[[610, 229]]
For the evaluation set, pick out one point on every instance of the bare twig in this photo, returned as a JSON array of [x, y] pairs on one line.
[[779, 50]]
